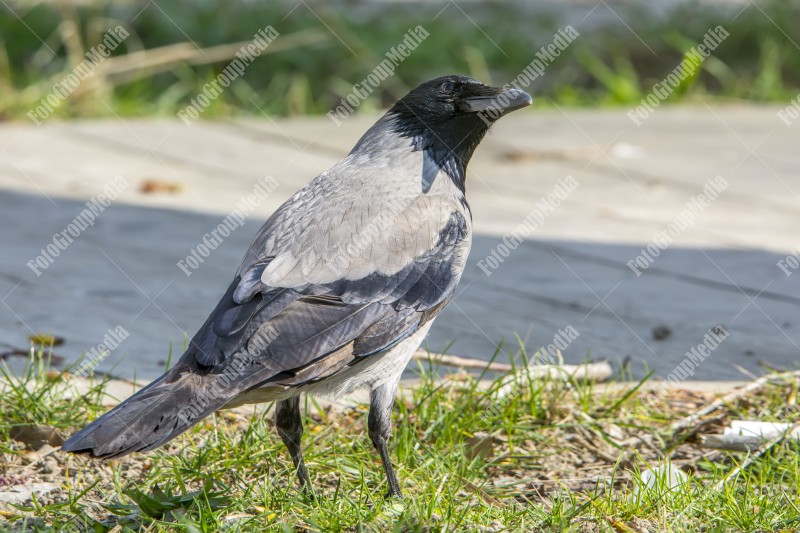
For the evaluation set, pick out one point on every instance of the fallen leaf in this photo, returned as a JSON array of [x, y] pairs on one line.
[[618, 525], [237, 516], [46, 339], [153, 186], [480, 444], [34, 436]]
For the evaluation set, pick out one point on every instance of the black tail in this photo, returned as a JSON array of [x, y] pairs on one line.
[[194, 388], [154, 415]]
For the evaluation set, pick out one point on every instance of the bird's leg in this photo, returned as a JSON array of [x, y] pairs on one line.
[[290, 428], [381, 400]]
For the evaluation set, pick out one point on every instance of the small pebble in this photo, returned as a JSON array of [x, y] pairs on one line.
[[661, 332], [50, 466]]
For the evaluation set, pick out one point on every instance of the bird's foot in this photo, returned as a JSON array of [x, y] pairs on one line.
[[309, 493], [394, 494]]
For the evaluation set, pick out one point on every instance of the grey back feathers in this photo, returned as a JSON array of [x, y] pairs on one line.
[[371, 212]]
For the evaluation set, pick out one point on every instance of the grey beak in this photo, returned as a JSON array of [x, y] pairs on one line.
[[497, 105]]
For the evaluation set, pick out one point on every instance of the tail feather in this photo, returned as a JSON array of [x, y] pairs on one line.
[[154, 415]]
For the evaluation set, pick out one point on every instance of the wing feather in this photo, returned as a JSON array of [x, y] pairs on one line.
[[287, 329]]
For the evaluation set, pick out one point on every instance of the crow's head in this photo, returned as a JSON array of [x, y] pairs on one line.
[[449, 116], [453, 101]]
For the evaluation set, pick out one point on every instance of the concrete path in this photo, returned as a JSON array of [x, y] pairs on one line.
[[613, 187]]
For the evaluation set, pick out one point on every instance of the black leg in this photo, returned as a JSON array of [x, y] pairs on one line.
[[381, 400], [290, 428]]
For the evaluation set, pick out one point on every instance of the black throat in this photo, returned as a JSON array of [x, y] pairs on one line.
[[450, 144]]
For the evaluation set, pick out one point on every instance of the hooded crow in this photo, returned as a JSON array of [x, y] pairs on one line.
[[339, 287]]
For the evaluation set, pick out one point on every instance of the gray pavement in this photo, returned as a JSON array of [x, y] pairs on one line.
[[569, 273]]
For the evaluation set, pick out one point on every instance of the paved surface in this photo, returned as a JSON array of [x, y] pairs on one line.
[[570, 272]]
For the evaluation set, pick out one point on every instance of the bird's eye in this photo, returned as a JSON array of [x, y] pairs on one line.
[[447, 86]]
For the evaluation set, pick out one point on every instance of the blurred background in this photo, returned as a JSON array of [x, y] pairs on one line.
[[732, 117], [625, 47]]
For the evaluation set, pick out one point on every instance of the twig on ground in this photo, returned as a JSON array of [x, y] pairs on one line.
[[487, 498], [731, 397], [461, 362], [135, 65], [734, 443], [54, 359], [768, 446], [586, 372]]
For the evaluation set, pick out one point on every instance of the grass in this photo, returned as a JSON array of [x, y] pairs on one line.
[[556, 455], [614, 62]]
